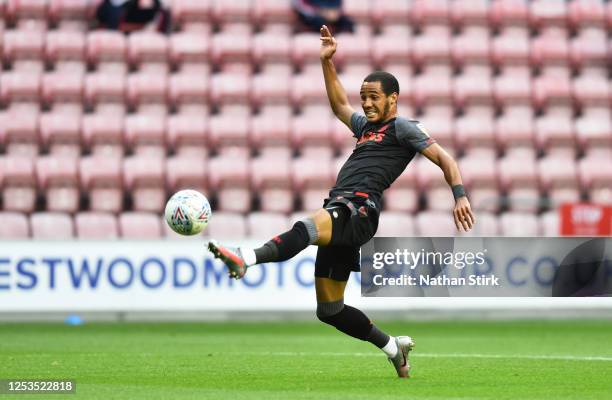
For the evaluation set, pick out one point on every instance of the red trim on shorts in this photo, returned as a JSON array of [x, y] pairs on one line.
[[362, 194]]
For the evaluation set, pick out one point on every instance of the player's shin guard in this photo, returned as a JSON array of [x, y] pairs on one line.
[[288, 244], [351, 321]]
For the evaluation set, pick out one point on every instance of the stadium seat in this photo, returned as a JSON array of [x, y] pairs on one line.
[[272, 183], [14, 225], [471, 51], [102, 87], [227, 225], [229, 179], [431, 89], [188, 89], [589, 91], [355, 49], [430, 12], [66, 49], [24, 46], [312, 179], [231, 11], [144, 179], [514, 130], [550, 52], [519, 180], [596, 179], [139, 225], [392, 47], [145, 134], [51, 225], [17, 86], [148, 51], [189, 11], [487, 225], [594, 131], [432, 48], [549, 224], [559, 179], [586, 13], [96, 225], [101, 179], [187, 134], [519, 224], [435, 223], [60, 133], [27, 9], [305, 49], [264, 225], [229, 133], [107, 49], [472, 89], [231, 48], [547, 13], [480, 177], [466, 14], [148, 90], [395, 224], [186, 172], [388, 13], [272, 12], [438, 120], [18, 184], [103, 134], [61, 12], [551, 90], [58, 181], [64, 88], [309, 88], [555, 132], [504, 13], [189, 47], [312, 135], [431, 181], [475, 131], [403, 195], [269, 47], [270, 88], [271, 132], [512, 89], [19, 131], [511, 48], [230, 88]]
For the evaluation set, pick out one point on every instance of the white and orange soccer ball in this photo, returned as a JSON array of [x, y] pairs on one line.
[[188, 212]]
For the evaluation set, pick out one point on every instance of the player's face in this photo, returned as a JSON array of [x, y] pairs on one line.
[[376, 105]]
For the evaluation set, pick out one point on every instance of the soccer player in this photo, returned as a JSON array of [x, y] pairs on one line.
[[385, 145]]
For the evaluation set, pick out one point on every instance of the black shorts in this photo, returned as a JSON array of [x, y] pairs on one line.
[[354, 223]]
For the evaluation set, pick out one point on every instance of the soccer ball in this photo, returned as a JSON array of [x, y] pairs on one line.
[[188, 212]]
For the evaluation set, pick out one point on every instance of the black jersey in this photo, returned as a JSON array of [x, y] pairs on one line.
[[382, 152]]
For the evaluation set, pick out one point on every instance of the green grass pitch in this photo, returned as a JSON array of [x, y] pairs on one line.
[[301, 360]]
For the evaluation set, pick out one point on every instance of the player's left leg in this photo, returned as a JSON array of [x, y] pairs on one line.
[[353, 322]]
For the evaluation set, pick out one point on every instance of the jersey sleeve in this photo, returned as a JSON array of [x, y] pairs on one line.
[[411, 134], [358, 122]]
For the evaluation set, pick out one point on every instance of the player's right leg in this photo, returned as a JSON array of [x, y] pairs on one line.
[[316, 229]]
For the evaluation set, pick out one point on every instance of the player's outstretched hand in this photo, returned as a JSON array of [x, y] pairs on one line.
[[464, 218], [328, 44]]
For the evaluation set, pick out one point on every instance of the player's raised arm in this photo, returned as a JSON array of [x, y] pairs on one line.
[[464, 218], [335, 92]]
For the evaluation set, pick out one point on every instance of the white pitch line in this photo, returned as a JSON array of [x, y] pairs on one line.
[[441, 355]]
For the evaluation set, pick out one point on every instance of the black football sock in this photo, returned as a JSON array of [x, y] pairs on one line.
[[355, 323], [285, 245]]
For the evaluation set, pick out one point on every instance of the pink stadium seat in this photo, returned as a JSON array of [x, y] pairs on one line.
[[270, 89], [545, 13], [19, 184], [188, 89], [147, 87], [559, 178], [64, 47], [140, 225], [60, 133], [229, 132], [432, 47], [355, 49], [272, 12], [587, 13], [594, 131], [58, 180], [555, 132], [191, 10], [264, 225], [189, 172], [480, 177], [144, 178], [102, 87], [551, 90], [392, 47], [230, 88], [229, 179], [271, 50], [271, 131], [430, 12], [305, 48], [17, 86], [105, 46], [550, 49], [272, 182], [231, 47], [26, 9], [509, 12], [51, 225], [230, 11], [519, 224], [487, 225], [21, 45], [308, 89], [510, 48], [431, 182], [475, 131], [596, 179], [312, 135], [511, 89], [472, 48], [403, 195], [312, 179], [63, 87], [227, 225], [96, 225], [61, 10], [470, 89], [187, 134], [103, 134], [515, 129], [359, 10], [396, 224], [592, 91], [20, 129], [589, 49], [518, 178], [432, 89], [550, 224], [435, 223], [189, 47], [438, 120], [344, 141], [147, 48], [14, 225], [470, 13], [145, 134], [101, 179], [386, 13]]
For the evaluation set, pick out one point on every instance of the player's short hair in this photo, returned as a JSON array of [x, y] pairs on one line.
[[387, 81]]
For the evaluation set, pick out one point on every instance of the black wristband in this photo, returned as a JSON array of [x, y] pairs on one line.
[[458, 191]]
